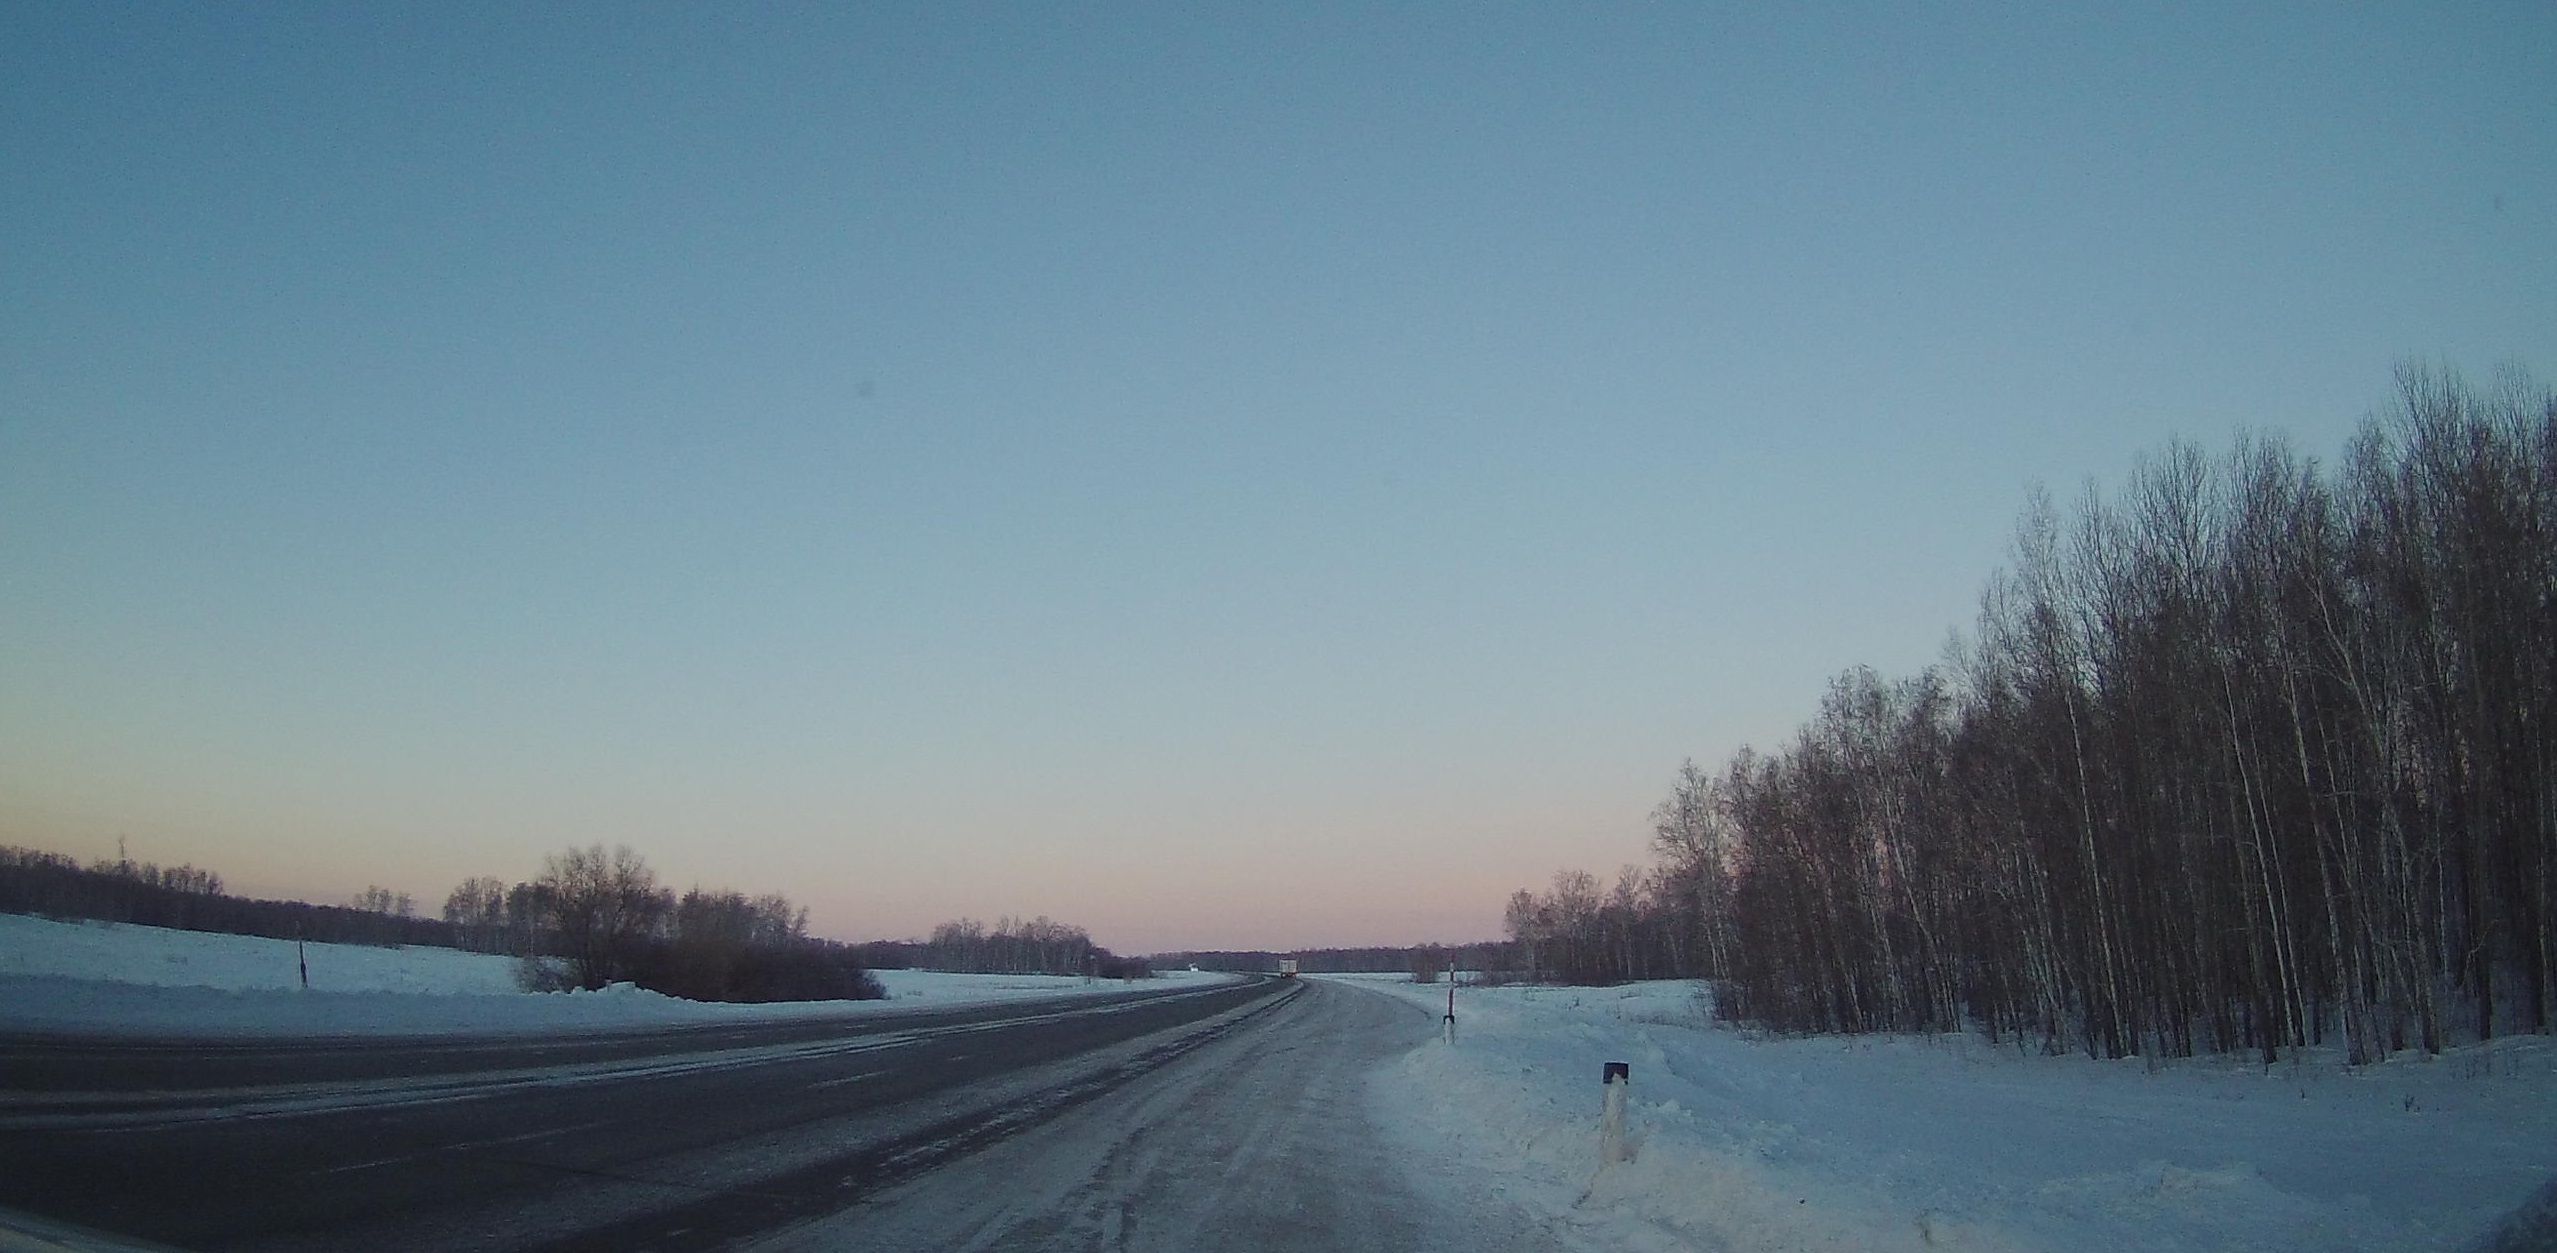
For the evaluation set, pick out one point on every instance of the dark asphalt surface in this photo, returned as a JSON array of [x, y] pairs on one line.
[[685, 1138]]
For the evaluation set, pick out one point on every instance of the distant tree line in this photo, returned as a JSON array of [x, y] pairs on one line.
[[186, 898], [591, 918], [376, 899], [1577, 932], [594, 917], [2255, 754], [1492, 959], [1012, 946]]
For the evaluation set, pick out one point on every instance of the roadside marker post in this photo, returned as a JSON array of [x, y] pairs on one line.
[[1451, 1005], [1616, 1077]]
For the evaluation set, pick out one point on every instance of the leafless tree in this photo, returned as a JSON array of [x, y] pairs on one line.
[[604, 909], [376, 899], [477, 909], [2251, 754]]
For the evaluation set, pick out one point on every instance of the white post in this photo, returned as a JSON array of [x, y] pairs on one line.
[[1617, 1077]]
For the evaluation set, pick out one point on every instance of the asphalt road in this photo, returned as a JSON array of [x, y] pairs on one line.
[[682, 1139]]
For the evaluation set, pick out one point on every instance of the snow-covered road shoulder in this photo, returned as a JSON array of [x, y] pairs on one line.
[[122, 979], [1749, 1142]]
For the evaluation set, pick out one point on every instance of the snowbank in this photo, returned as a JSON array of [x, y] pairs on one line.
[[123, 979], [1945, 1142]]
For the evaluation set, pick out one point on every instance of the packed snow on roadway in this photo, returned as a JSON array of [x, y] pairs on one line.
[[1745, 1141], [119, 978]]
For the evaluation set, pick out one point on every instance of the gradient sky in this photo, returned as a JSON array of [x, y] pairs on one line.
[[1225, 475]]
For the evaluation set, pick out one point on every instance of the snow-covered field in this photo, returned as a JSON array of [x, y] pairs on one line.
[[125, 979], [1745, 1142]]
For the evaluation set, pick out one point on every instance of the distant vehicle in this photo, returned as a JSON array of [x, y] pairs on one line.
[[1287, 968]]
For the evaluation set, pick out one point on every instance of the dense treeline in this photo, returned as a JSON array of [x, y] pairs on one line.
[[190, 899], [2254, 754], [1038, 946], [595, 917], [1013, 946], [1577, 933], [1492, 959]]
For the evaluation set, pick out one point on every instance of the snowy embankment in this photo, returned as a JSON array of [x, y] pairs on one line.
[[110, 978], [1744, 1141]]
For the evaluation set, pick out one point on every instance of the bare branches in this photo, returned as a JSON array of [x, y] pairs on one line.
[[2251, 754]]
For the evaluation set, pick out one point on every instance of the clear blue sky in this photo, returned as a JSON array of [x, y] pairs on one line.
[[1224, 475]]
